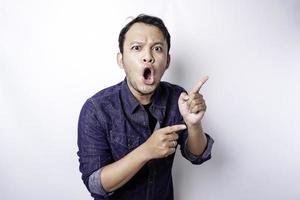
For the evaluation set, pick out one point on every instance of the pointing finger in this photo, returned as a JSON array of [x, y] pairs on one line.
[[174, 128], [177, 127], [197, 88]]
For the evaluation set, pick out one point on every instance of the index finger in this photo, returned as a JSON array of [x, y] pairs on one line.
[[175, 128], [197, 88]]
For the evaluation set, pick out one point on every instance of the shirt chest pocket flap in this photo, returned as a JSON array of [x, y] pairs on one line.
[[122, 143]]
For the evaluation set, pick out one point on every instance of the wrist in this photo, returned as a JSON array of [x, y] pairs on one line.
[[197, 125], [144, 153], [195, 128]]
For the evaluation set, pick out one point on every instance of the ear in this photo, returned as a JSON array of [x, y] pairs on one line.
[[120, 60], [168, 61]]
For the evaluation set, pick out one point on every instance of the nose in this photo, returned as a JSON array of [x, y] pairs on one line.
[[148, 58]]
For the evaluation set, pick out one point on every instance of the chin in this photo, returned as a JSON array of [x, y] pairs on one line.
[[146, 90]]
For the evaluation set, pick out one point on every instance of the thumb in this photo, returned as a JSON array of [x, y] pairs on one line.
[[183, 98]]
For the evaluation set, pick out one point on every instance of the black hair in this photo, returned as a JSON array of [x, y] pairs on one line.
[[147, 19]]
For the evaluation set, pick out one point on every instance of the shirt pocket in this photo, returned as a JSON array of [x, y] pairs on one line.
[[122, 143]]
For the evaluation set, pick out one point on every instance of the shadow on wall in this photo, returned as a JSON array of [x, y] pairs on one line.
[[187, 67], [188, 178], [296, 12], [185, 173], [177, 72]]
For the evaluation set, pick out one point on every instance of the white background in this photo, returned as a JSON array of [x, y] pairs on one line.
[[56, 54]]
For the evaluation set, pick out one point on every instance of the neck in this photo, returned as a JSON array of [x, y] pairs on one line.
[[143, 99]]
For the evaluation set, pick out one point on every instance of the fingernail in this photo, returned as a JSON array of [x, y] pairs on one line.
[[183, 126]]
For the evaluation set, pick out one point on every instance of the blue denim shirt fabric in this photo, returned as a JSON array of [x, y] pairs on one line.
[[112, 123]]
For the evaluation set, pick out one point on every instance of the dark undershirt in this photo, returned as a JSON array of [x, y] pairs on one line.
[[152, 120]]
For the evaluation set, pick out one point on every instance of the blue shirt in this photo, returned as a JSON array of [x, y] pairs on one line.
[[112, 123]]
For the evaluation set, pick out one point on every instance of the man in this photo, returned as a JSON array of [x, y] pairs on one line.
[[128, 133]]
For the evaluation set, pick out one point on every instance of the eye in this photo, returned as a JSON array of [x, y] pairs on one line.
[[158, 48], [136, 48]]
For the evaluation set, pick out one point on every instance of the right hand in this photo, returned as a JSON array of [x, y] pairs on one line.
[[163, 142]]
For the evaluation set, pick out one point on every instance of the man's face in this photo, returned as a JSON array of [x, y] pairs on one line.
[[145, 58]]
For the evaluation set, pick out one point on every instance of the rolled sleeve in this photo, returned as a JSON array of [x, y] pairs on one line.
[[199, 159], [94, 152], [95, 184]]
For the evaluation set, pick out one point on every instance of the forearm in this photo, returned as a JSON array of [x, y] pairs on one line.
[[116, 174], [197, 140]]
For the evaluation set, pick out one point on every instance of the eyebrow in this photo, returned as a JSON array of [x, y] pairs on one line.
[[160, 43], [138, 42], [135, 42]]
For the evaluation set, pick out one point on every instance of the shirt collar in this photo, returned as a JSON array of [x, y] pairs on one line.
[[130, 102], [159, 100]]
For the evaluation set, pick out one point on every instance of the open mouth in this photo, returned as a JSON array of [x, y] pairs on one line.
[[148, 76]]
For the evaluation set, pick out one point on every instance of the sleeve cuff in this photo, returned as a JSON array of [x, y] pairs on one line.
[[95, 184], [206, 155]]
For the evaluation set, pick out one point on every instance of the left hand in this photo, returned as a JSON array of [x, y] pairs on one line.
[[192, 106]]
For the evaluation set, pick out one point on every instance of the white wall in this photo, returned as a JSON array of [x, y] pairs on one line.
[[55, 54]]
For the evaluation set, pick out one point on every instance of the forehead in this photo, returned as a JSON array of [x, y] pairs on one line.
[[144, 33]]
